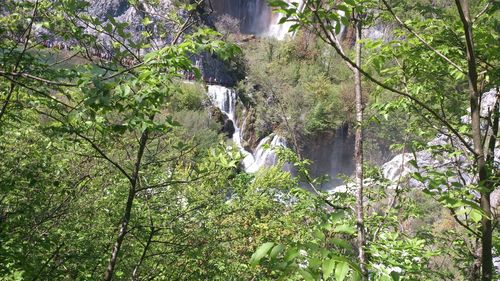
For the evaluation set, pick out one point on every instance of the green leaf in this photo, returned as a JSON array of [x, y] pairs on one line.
[[344, 20], [260, 253], [327, 268], [146, 21], [307, 275], [314, 263], [338, 215], [356, 276], [341, 271], [475, 215], [341, 243], [291, 254], [395, 275], [276, 251], [319, 234], [278, 3], [344, 228]]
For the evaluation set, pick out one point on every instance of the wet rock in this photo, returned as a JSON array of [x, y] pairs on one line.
[[228, 129], [331, 153]]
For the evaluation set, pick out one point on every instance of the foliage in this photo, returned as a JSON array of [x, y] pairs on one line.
[[94, 149], [110, 161], [437, 65], [188, 97], [297, 86]]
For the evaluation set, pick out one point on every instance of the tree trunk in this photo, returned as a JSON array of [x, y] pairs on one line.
[[108, 275], [358, 152], [477, 137]]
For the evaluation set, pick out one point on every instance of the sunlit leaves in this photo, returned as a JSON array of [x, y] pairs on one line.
[[324, 257], [327, 267], [261, 252], [332, 14]]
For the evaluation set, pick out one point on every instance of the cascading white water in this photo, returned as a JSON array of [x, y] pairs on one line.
[[225, 99], [255, 16], [266, 157], [280, 31]]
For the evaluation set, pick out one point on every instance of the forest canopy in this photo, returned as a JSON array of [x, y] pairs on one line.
[[126, 129]]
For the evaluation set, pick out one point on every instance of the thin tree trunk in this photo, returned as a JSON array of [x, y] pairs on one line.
[[358, 153], [7, 100], [477, 137], [108, 275], [135, 272]]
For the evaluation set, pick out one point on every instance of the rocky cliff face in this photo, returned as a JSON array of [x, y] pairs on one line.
[[331, 154], [112, 8], [213, 69], [122, 11]]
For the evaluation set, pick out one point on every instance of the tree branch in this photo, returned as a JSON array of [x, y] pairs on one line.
[[407, 27], [36, 78], [332, 43], [20, 57]]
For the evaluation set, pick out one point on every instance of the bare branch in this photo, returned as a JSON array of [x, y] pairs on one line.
[[36, 78], [123, 71], [482, 12], [7, 100], [103, 154], [46, 95], [475, 233]]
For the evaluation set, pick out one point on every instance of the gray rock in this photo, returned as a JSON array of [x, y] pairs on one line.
[[438, 158]]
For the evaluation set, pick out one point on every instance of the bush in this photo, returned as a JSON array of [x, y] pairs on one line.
[[188, 96]]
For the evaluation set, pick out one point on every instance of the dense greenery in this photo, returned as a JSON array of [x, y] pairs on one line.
[[300, 88], [439, 60], [114, 168]]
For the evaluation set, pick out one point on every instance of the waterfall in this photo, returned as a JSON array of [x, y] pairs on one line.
[[266, 157], [280, 31], [225, 99], [255, 16]]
